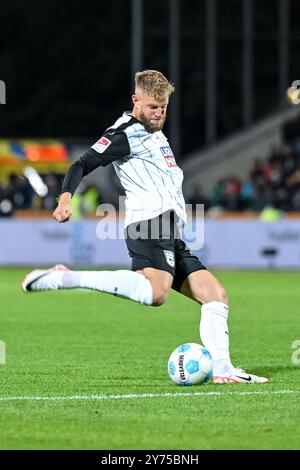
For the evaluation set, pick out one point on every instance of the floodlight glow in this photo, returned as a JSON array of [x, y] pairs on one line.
[[36, 181]]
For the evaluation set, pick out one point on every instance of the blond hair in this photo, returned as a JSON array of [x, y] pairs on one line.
[[153, 83]]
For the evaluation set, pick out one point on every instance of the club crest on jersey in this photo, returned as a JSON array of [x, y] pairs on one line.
[[169, 157], [169, 255], [101, 145]]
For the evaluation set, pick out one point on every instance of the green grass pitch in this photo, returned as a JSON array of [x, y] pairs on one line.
[[65, 347]]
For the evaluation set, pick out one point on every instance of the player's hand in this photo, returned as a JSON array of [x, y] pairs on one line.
[[63, 212]]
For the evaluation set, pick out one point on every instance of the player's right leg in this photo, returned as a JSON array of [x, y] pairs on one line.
[[149, 286], [29, 280], [122, 283], [149, 282]]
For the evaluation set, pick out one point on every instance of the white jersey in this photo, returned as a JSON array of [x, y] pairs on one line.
[[145, 165], [150, 176]]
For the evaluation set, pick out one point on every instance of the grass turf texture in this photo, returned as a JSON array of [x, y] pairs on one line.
[[67, 343]]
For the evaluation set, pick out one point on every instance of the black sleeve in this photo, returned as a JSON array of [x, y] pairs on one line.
[[112, 146]]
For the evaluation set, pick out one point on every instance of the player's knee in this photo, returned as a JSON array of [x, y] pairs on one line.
[[158, 301], [218, 294], [221, 295], [160, 296]]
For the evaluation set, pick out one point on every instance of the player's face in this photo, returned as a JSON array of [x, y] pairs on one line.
[[152, 112]]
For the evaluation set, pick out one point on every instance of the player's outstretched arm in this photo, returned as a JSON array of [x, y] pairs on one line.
[[107, 151], [63, 212]]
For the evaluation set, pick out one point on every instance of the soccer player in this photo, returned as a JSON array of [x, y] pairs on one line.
[[146, 167]]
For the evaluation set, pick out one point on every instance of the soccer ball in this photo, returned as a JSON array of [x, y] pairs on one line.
[[190, 364]]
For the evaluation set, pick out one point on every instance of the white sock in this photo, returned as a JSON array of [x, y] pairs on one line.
[[214, 335], [121, 283]]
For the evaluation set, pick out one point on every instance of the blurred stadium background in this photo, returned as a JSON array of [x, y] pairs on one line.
[[236, 132]]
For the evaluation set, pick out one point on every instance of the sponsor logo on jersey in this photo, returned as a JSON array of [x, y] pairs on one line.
[[170, 259], [101, 145], [169, 157]]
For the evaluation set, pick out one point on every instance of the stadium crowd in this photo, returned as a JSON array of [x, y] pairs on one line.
[[273, 181], [18, 194]]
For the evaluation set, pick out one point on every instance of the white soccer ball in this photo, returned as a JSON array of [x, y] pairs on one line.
[[190, 364]]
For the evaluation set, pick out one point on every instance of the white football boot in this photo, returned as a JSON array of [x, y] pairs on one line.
[[33, 276], [238, 376]]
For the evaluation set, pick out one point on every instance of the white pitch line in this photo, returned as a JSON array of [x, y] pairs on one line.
[[150, 395]]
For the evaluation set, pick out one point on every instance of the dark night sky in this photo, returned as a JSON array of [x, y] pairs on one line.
[[67, 64]]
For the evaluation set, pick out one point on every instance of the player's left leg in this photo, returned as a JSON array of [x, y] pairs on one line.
[[203, 287]]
